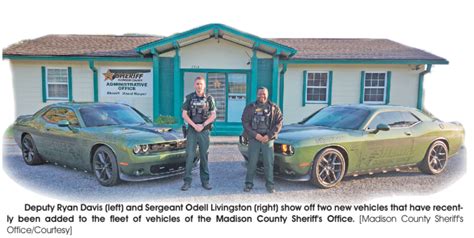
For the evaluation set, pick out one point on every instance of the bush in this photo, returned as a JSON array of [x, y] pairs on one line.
[[165, 120], [8, 132]]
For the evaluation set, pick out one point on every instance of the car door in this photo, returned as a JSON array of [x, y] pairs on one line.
[[62, 142], [385, 149]]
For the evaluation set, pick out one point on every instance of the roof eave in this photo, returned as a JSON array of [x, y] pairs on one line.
[[365, 61], [214, 30]]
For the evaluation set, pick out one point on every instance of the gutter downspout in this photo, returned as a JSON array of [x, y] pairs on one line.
[[95, 80], [421, 79]]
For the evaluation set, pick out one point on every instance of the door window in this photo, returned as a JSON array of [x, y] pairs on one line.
[[236, 94], [392, 119], [54, 115]]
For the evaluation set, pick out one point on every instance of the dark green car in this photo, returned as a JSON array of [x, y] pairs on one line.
[[115, 141], [350, 140]]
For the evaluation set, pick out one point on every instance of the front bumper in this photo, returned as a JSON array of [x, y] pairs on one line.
[[284, 167], [149, 167]]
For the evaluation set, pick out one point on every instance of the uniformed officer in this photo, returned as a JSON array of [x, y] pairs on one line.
[[262, 121], [199, 111]]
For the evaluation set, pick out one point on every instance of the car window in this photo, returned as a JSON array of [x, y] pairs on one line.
[[56, 114], [409, 119], [339, 117], [393, 119], [111, 114]]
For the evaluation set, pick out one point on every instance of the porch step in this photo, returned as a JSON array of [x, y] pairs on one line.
[[226, 130]]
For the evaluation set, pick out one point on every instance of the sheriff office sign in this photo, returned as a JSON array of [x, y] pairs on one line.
[[126, 83]]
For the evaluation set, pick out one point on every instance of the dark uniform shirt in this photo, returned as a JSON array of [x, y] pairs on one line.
[[273, 120], [199, 108]]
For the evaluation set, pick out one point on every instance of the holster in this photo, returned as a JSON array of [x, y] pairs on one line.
[[185, 131]]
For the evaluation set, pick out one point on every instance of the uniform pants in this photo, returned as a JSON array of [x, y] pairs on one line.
[[255, 147], [195, 139]]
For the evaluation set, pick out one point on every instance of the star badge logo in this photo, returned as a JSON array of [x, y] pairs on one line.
[[217, 84], [108, 75]]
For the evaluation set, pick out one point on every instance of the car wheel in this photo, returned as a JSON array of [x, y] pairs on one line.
[[436, 158], [104, 165], [329, 168], [29, 151]]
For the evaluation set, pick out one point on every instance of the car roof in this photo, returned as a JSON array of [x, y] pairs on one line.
[[377, 107], [77, 105]]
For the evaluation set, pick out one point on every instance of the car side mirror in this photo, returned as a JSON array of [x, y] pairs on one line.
[[63, 123], [381, 127]]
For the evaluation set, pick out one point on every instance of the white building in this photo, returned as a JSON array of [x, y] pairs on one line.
[[154, 74]]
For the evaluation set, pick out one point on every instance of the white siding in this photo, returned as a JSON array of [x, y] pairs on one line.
[[27, 84], [217, 54], [28, 89], [346, 87]]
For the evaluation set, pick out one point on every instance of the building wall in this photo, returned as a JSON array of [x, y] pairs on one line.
[[27, 83], [143, 104], [346, 87], [215, 54], [345, 90]]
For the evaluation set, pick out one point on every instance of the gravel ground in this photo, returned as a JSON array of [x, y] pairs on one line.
[[227, 176]]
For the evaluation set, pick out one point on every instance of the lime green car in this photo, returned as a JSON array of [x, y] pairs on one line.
[[114, 141], [351, 140]]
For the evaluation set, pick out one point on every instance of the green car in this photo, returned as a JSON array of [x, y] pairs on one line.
[[350, 140], [115, 141]]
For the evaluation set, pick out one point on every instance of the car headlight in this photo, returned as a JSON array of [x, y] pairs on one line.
[[284, 149], [159, 147], [137, 149], [145, 148]]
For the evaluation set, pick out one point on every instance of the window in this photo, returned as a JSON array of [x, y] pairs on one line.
[[409, 119], [375, 87], [57, 83], [317, 87], [54, 115], [338, 117], [110, 115], [394, 120]]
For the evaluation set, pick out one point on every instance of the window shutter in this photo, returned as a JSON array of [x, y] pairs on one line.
[[69, 82], [389, 79], [43, 82], [304, 87], [330, 88], [362, 78]]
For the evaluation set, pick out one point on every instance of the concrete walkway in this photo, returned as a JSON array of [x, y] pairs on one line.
[[224, 140]]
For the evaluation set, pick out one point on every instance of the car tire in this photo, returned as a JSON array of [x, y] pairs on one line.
[[104, 166], [436, 158], [329, 168], [29, 152]]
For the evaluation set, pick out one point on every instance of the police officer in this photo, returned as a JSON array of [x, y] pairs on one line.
[[262, 121], [199, 111]]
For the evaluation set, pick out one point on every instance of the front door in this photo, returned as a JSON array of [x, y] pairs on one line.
[[228, 89], [386, 149]]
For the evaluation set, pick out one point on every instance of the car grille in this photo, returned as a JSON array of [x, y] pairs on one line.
[[169, 168], [168, 146]]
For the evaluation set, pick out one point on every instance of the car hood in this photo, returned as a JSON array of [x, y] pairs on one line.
[[297, 133], [140, 133]]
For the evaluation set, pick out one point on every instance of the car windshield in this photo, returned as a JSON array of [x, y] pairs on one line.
[[338, 117], [109, 115]]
